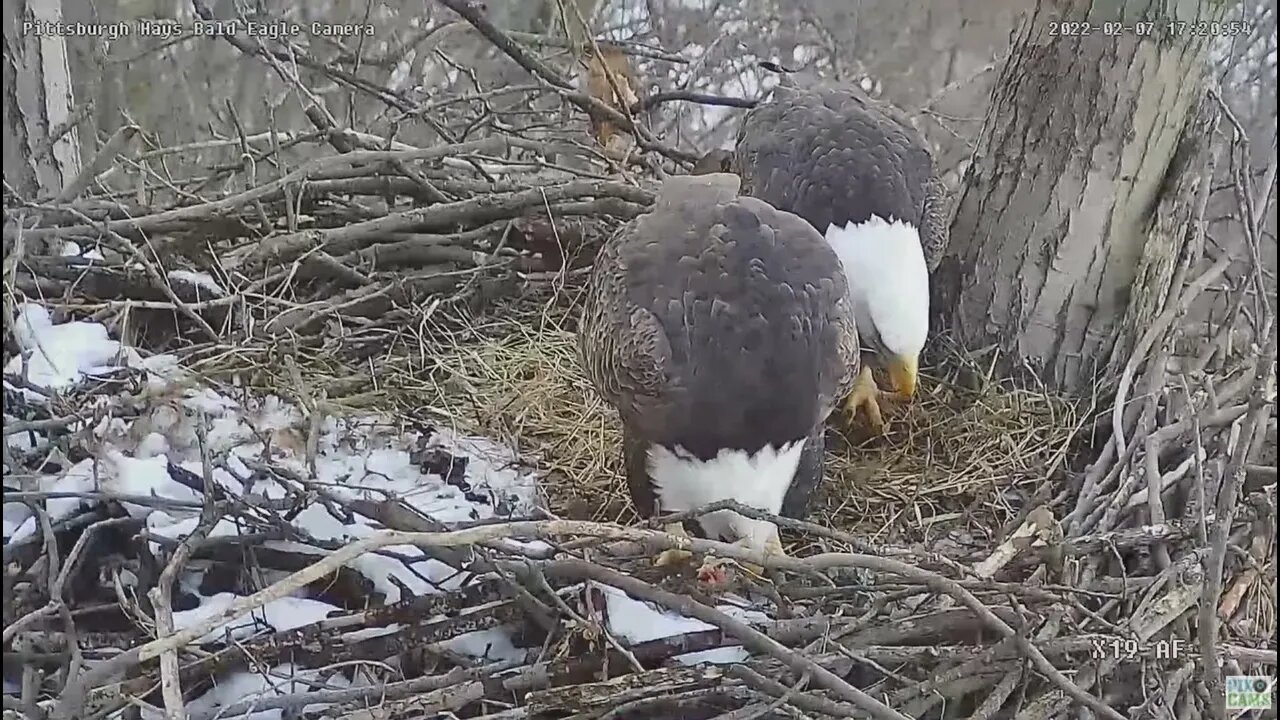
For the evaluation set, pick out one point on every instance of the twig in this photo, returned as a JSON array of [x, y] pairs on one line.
[[997, 697], [562, 86], [195, 213], [667, 96], [114, 145], [60, 573], [1155, 331], [382, 692], [1220, 531], [553, 528], [161, 595], [753, 639]]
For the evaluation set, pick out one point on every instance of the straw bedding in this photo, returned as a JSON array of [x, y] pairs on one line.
[[962, 449]]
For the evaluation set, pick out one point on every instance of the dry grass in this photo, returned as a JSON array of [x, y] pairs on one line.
[[963, 454], [950, 458]]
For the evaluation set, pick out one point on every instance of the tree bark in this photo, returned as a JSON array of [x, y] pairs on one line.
[[41, 145], [1057, 252]]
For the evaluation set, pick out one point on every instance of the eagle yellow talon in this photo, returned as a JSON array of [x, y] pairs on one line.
[[712, 565], [866, 395], [772, 546], [673, 556]]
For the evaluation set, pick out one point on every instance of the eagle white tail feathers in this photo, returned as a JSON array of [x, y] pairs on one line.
[[888, 280], [759, 480]]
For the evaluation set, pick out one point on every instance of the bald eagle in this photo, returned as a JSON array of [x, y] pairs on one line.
[[860, 174], [720, 329]]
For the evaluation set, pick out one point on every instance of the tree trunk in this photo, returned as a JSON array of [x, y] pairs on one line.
[[41, 145], [1057, 251]]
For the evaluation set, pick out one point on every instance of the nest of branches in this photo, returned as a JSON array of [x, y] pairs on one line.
[[1000, 553], [999, 560]]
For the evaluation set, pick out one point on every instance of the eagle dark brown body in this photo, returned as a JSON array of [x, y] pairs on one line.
[[718, 326]]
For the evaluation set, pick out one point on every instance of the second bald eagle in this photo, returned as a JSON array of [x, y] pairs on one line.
[[720, 330], [862, 176]]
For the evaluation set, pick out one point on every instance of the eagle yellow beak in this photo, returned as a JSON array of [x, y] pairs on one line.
[[902, 374]]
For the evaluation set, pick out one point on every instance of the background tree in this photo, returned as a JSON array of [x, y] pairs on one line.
[[1057, 258], [41, 142]]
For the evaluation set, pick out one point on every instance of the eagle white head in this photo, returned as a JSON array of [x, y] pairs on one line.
[[889, 286]]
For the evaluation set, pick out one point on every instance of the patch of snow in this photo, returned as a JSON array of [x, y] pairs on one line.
[[279, 681], [79, 478], [446, 475], [73, 249], [287, 613], [58, 356], [15, 514], [490, 645], [162, 524], [26, 442], [635, 622], [400, 75], [201, 280]]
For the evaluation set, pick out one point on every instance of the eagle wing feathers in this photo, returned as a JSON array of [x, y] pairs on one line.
[[716, 322], [835, 156]]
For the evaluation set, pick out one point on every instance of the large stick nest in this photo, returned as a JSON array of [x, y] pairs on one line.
[[995, 554]]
